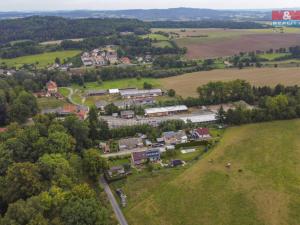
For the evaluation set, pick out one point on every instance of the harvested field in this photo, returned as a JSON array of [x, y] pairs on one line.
[[236, 44], [186, 85], [211, 43]]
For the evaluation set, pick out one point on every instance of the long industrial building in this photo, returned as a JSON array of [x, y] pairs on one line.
[[134, 93], [165, 111]]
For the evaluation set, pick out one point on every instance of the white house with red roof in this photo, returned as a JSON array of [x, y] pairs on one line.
[[52, 87], [201, 133]]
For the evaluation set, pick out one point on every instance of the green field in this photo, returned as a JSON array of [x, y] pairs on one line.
[[122, 83], [80, 91], [273, 56], [157, 37], [261, 188], [49, 103], [43, 60], [162, 44]]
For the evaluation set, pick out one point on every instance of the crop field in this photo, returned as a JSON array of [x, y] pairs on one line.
[[187, 84], [43, 60], [213, 43], [261, 187]]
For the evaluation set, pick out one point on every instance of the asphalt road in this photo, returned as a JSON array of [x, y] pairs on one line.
[[113, 202]]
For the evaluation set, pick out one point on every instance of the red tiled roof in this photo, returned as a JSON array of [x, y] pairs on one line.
[[125, 60], [202, 131], [51, 85], [70, 108], [3, 129]]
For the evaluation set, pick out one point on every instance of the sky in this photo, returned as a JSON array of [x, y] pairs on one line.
[[48, 5]]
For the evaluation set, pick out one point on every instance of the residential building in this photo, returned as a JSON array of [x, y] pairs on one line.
[[100, 105], [116, 171], [3, 129], [51, 87], [138, 158], [127, 114], [140, 93], [174, 138], [130, 143], [125, 60], [165, 111], [112, 56], [201, 133]]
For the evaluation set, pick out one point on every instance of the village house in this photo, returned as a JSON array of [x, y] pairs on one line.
[[51, 87], [112, 56], [125, 60], [130, 143], [201, 133], [3, 129], [165, 111], [139, 158], [100, 105], [134, 93], [127, 114], [174, 138], [105, 147], [116, 171]]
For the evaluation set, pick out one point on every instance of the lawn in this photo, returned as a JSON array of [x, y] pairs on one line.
[[49, 103], [43, 60], [64, 91], [187, 84], [261, 188]]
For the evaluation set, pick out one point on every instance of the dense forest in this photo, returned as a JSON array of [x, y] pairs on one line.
[[56, 28]]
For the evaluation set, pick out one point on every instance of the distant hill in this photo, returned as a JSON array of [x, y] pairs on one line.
[[177, 14], [47, 28]]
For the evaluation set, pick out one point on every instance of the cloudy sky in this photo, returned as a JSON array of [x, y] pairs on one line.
[[22, 5]]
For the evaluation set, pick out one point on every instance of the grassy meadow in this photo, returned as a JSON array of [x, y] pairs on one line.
[[49, 103], [43, 59], [261, 188]]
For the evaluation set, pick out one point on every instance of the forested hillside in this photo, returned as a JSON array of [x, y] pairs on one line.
[[57, 28]]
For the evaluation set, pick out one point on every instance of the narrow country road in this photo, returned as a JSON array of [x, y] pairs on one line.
[[113, 202]]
